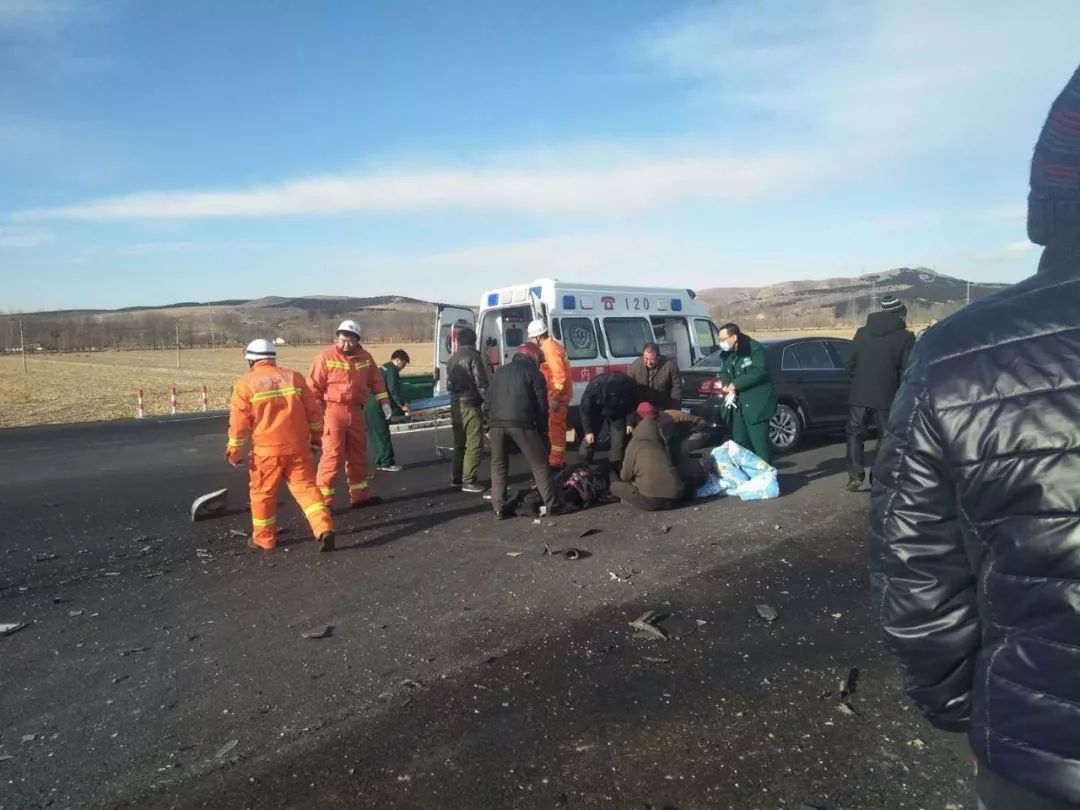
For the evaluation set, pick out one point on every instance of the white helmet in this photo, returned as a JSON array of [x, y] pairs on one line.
[[352, 327], [260, 349], [537, 328]]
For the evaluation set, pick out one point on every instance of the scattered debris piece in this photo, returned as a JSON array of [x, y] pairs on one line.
[[411, 683], [143, 538], [663, 529], [238, 533], [536, 522], [652, 660], [29, 737], [119, 679], [805, 806], [849, 683], [514, 553], [646, 624], [700, 622], [581, 749], [74, 614], [620, 577], [46, 557], [153, 574], [573, 554], [112, 573], [917, 744], [838, 615], [133, 650], [59, 600], [844, 708], [768, 613], [5, 757], [325, 631], [212, 504], [8, 629], [226, 748], [589, 533]]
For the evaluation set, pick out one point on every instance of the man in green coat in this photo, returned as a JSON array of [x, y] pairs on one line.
[[745, 373], [378, 428]]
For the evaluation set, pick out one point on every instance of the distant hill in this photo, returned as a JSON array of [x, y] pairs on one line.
[[836, 301]]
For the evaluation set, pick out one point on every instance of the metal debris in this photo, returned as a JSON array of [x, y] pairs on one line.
[[133, 650], [119, 679], [226, 748], [325, 631], [663, 529], [849, 683], [46, 557], [29, 737], [5, 757], [646, 624], [652, 660], [572, 554], [514, 553], [239, 533], [153, 574], [212, 504], [74, 614], [8, 629], [917, 744], [144, 538], [844, 708], [589, 532], [768, 613]]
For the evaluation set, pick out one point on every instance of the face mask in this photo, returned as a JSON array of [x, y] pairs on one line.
[[725, 345]]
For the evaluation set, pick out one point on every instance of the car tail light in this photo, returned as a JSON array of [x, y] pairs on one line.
[[710, 387]]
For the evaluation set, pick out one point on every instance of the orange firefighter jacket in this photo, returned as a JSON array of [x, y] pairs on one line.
[[556, 370], [346, 378], [275, 407]]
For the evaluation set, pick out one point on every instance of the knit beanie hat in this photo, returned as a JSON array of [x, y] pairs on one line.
[[1054, 200], [891, 304]]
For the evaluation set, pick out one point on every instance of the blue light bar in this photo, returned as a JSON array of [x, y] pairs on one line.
[[569, 302], [493, 299], [676, 305]]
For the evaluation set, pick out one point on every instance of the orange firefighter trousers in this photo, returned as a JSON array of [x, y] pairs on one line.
[[557, 435], [299, 474], [344, 438]]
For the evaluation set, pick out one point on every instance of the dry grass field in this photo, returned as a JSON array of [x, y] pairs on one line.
[[102, 385]]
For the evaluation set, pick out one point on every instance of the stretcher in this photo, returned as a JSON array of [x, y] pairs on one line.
[[437, 411]]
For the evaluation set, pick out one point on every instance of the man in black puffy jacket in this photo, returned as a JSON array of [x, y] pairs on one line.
[[975, 509], [879, 355], [466, 382], [611, 397], [518, 412]]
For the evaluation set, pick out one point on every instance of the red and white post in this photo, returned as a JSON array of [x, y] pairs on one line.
[[139, 411], [205, 399], [172, 399]]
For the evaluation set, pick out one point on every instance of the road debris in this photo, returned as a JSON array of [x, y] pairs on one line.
[[153, 574], [663, 529], [133, 650], [589, 533], [653, 660], [849, 683], [514, 553], [212, 504], [768, 613], [239, 533], [648, 625], [5, 757], [573, 554], [8, 629], [46, 557], [74, 614], [59, 600], [144, 538], [844, 708], [620, 577], [325, 631], [917, 744], [412, 684], [226, 748], [119, 679], [29, 737]]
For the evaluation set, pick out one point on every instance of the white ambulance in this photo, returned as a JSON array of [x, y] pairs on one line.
[[603, 328]]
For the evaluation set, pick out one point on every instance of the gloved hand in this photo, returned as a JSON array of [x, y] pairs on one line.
[[590, 438], [730, 399], [387, 411], [235, 456]]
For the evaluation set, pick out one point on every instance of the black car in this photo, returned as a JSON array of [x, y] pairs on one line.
[[811, 385]]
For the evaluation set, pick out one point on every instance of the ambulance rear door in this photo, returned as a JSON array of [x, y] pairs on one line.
[[448, 317]]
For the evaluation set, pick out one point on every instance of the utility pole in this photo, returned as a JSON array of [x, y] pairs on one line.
[[968, 294], [213, 346], [22, 343], [178, 343]]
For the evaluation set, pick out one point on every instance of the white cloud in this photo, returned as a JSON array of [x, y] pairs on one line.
[[1012, 252], [36, 15], [23, 238], [631, 186]]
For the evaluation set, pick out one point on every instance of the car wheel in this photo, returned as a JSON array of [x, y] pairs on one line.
[[785, 428]]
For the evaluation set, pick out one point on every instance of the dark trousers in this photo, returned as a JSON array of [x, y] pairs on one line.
[[629, 493], [532, 446], [858, 423], [617, 428], [995, 792]]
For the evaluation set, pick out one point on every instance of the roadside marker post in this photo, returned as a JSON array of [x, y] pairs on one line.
[[139, 411], [172, 399], [205, 399]]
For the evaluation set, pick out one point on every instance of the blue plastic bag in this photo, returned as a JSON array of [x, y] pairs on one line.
[[737, 471]]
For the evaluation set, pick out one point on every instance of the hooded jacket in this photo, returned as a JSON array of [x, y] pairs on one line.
[[879, 355], [611, 395], [647, 465], [975, 527]]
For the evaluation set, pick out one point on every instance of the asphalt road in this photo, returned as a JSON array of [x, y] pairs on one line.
[[164, 663]]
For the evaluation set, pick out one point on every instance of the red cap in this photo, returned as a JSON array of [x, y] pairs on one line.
[[646, 410]]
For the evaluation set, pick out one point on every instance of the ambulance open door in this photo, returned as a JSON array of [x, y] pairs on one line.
[[446, 318]]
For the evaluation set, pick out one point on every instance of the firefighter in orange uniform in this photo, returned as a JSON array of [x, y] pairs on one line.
[[275, 407], [560, 385], [344, 376]]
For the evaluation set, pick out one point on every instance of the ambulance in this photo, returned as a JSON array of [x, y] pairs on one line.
[[603, 328]]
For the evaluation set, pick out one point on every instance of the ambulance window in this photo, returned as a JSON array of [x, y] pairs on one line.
[[556, 329], [515, 336], [626, 337], [580, 340], [706, 335]]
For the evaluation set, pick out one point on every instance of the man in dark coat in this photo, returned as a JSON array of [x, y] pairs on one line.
[[658, 376], [975, 509], [518, 412], [748, 382], [467, 383], [647, 478], [879, 355], [611, 397]]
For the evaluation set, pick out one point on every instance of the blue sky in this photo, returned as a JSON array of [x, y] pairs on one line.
[[158, 152]]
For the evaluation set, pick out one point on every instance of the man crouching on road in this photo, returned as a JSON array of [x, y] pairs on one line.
[[275, 407]]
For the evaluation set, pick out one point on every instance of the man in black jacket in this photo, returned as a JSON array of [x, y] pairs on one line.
[[466, 382], [975, 509], [611, 397], [879, 355], [518, 412]]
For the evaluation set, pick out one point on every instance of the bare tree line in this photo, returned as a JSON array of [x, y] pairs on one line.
[[847, 314], [82, 332]]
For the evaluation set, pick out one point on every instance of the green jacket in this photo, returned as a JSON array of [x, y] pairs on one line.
[[748, 368], [392, 378]]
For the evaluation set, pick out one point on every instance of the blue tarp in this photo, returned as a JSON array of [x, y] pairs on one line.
[[734, 470]]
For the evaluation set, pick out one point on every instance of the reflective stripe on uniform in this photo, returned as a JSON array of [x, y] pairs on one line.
[[316, 425], [354, 487], [236, 442], [558, 386], [277, 392], [336, 364], [558, 448], [327, 491], [365, 364], [263, 522], [383, 395], [315, 507]]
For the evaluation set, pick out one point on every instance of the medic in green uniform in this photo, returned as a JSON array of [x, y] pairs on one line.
[[745, 372], [378, 428]]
